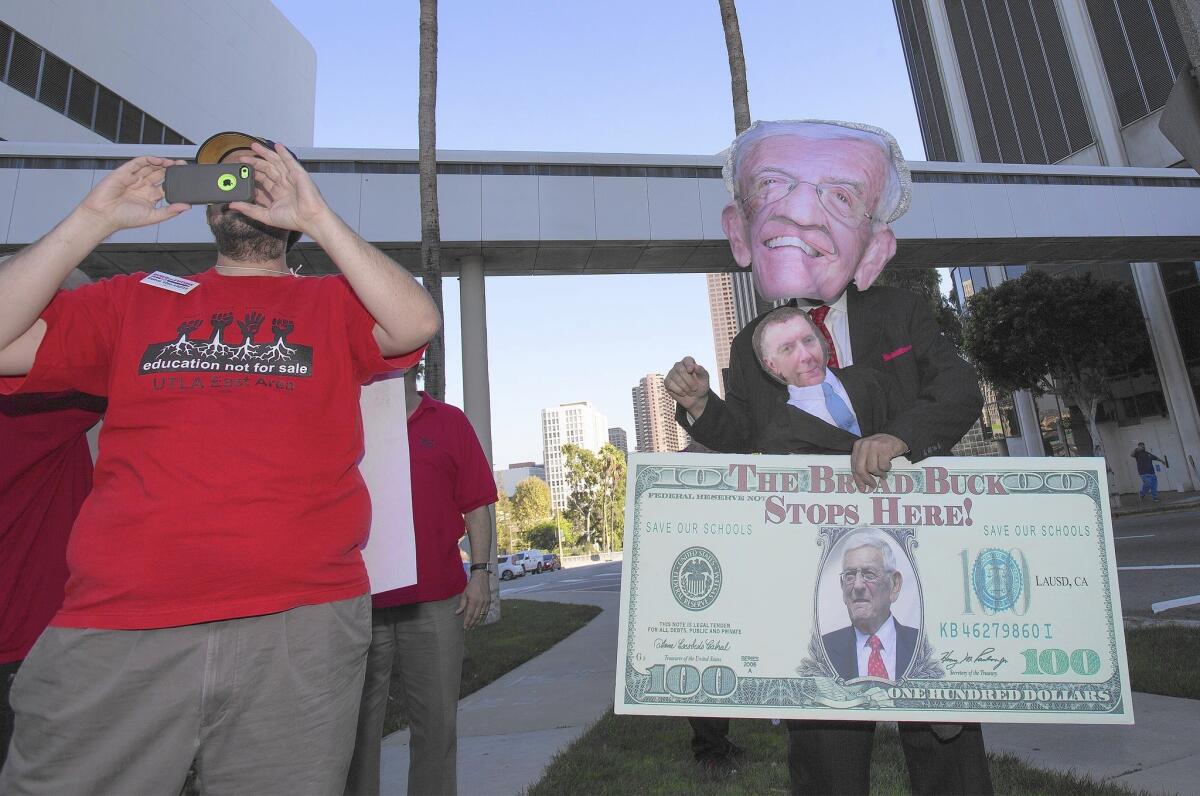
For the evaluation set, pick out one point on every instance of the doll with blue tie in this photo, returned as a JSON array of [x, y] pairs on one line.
[[827, 408]]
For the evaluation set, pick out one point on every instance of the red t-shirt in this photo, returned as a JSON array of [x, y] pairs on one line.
[[227, 483], [450, 477], [45, 473]]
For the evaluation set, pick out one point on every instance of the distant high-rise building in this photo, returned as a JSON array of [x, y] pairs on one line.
[[724, 322], [508, 478], [1079, 82], [654, 417], [619, 439], [578, 423], [731, 305]]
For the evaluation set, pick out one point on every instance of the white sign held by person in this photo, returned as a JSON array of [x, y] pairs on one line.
[[390, 553]]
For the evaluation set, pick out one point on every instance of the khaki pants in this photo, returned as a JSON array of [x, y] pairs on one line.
[[264, 704], [425, 640]]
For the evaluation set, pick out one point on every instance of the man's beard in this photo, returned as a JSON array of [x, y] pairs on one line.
[[244, 239]]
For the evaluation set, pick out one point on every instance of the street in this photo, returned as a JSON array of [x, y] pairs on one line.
[[1158, 561], [604, 577]]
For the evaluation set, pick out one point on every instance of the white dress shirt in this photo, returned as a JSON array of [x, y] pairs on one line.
[[886, 634], [811, 399], [838, 324]]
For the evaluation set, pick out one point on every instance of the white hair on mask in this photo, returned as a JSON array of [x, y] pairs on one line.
[[896, 193], [873, 539]]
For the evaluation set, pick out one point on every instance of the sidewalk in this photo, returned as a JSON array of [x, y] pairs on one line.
[[1160, 753], [510, 731], [1167, 501]]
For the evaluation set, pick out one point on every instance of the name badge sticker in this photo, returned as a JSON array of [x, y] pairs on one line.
[[175, 284]]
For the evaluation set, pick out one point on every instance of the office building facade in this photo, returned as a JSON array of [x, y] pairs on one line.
[[1080, 82], [167, 72], [578, 423], [619, 439], [654, 417], [508, 478]]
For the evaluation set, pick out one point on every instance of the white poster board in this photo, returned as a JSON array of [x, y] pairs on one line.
[[390, 552]]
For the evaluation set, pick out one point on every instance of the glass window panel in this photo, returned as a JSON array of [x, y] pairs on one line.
[[1177, 276], [52, 91], [152, 130], [1184, 311], [1151, 404], [5, 39], [82, 99], [108, 105], [131, 124], [25, 65]]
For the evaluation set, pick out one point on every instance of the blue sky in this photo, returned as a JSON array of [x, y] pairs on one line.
[[619, 76]]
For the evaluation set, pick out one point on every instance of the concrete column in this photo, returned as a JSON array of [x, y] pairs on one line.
[[956, 95], [477, 394], [1093, 80], [1031, 429], [1023, 403], [1146, 276], [1172, 371]]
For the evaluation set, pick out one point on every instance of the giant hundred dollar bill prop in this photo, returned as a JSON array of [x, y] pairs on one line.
[[964, 589]]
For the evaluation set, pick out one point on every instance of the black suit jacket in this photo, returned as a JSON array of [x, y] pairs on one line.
[[891, 331], [874, 397], [841, 647]]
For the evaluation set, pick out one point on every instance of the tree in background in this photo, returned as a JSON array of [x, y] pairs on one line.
[[507, 532], [431, 231], [926, 282], [596, 504], [583, 503], [737, 65], [544, 535], [530, 503], [1067, 335], [612, 479]]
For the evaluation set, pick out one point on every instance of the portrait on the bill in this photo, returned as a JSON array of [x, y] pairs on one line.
[[869, 607]]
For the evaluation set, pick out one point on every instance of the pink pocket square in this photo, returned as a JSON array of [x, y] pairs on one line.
[[904, 349]]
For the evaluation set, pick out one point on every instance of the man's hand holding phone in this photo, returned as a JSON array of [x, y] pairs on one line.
[[209, 183], [286, 196], [129, 197]]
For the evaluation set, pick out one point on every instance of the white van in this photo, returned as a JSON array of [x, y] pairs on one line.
[[531, 560]]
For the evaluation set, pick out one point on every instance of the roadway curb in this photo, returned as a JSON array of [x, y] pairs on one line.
[[1174, 506], [1147, 621]]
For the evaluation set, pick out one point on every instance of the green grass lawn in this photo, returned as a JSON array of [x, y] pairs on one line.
[[526, 629], [1162, 660], [650, 754]]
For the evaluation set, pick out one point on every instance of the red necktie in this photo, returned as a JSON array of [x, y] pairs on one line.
[[875, 667], [818, 317]]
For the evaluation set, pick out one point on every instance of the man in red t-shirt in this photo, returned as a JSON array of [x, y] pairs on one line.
[[45, 473], [216, 617], [421, 628]]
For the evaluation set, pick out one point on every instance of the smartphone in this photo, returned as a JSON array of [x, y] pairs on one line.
[[214, 183]]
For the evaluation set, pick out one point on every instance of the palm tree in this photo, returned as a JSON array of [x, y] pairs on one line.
[[431, 235], [741, 105], [737, 65]]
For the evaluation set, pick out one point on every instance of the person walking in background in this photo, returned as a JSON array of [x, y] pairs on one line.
[[1145, 464]]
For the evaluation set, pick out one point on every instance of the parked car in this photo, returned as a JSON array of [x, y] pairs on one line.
[[508, 568], [532, 560], [551, 562]]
